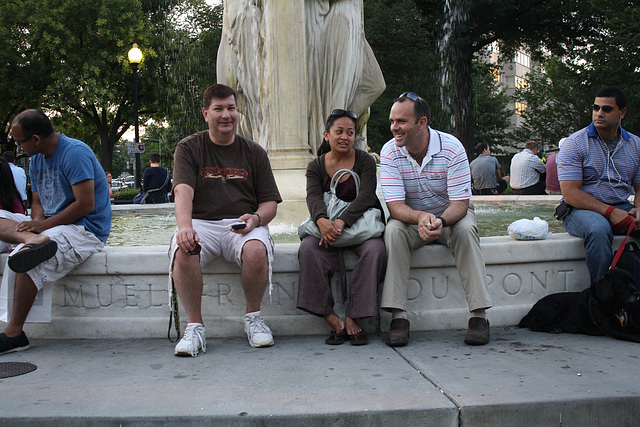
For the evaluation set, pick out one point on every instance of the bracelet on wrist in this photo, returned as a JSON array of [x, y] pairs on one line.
[[444, 221], [259, 217], [608, 212]]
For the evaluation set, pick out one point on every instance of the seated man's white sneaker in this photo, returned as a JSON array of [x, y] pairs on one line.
[[193, 341], [258, 333]]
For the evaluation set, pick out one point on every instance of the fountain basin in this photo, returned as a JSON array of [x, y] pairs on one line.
[[140, 225]]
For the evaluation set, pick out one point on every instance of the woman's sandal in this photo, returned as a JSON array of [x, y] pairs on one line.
[[336, 338], [359, 339], [32, 255]]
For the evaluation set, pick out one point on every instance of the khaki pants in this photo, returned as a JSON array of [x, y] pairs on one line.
[[464, 243]]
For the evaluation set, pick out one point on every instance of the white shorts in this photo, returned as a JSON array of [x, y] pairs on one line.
[[217, 239], [75, 244]]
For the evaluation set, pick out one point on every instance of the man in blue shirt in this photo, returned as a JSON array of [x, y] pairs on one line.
[[70, 217], [598, 167]]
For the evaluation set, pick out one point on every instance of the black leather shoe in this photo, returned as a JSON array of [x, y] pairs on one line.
[[478, 332], [398, 333]]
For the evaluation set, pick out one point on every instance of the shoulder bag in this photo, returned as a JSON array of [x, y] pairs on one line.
[[368, 226], [141, 198]]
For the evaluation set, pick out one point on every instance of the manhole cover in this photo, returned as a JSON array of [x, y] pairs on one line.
[[13, 369]]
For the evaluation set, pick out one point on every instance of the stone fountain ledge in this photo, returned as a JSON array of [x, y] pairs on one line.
[[121, 292]]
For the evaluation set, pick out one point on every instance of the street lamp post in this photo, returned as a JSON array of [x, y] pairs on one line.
[[135, 57]]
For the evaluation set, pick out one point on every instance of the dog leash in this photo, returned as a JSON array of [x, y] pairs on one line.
[[621, 248]]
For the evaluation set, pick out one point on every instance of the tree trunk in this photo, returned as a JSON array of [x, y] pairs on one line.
[[463, 99], [105, 153]]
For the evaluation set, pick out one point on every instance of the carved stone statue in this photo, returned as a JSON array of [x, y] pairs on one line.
[[343, 72], [293, 62]]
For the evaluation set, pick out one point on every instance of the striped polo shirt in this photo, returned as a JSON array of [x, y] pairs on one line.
[[609, 177], [443, 175]]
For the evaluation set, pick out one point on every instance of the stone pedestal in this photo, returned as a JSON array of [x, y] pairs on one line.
[[287, 83]]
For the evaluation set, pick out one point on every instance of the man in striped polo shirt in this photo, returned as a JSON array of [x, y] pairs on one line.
[[426, 182], [528, 172], [598, 167]]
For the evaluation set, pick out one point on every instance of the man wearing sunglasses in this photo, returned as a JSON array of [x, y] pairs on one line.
[[427, 186], [598, 169], [70, 217]]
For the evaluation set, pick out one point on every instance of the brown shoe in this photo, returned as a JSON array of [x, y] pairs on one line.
[[336, 338], [398, 333], [359, 339], [478, 332]]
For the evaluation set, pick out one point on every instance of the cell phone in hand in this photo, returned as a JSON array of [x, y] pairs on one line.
[[239, 226]]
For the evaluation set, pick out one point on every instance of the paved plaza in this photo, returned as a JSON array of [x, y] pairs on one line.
[[521, 378]]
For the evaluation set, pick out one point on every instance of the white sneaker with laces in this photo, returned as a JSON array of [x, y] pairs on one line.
[[193, 341], [258, 333]]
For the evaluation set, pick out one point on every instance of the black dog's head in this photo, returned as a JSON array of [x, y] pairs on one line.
[[614, 292]]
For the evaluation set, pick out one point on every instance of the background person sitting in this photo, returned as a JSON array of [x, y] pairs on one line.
[[486, 174], [19, 176], [553, 186], [10, 199], [109, 181], [528, 171], [156, 181]]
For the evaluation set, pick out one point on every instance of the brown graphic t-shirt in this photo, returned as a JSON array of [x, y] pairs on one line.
[[228, 181]]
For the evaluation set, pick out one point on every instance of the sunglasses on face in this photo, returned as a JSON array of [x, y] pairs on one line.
[[605, 108], [338, 112]]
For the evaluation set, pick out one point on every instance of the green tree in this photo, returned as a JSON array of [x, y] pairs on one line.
[[466, 27], [490, 107], [70, 58], [559, 96], [408, 59], [190, 40], [557, 104], [24, 64], [93, 77]]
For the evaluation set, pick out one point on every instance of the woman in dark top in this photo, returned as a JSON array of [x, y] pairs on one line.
[[319, 260], [10, 199]]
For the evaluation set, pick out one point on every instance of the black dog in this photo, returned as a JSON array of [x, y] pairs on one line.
[[609, 307]]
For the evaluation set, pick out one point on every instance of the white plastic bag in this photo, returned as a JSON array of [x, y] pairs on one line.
[[527, 229]]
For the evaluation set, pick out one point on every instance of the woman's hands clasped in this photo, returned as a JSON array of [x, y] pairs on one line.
[[331, 230]]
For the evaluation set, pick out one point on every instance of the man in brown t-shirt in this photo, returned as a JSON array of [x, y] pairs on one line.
[[225, 195]]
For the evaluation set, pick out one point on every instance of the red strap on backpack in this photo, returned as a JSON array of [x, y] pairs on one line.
[[621, 248]]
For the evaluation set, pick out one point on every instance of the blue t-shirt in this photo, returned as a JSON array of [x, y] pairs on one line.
[[52, 178]]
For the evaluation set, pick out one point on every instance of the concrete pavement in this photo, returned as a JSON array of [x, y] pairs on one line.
[[521, 378]]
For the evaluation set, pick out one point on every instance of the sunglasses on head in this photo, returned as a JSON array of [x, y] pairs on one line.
[[605, 108], [411, 95], [338, 112], [415, 98]]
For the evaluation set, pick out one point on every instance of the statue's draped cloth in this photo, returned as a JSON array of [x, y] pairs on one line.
[[311, 52]]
